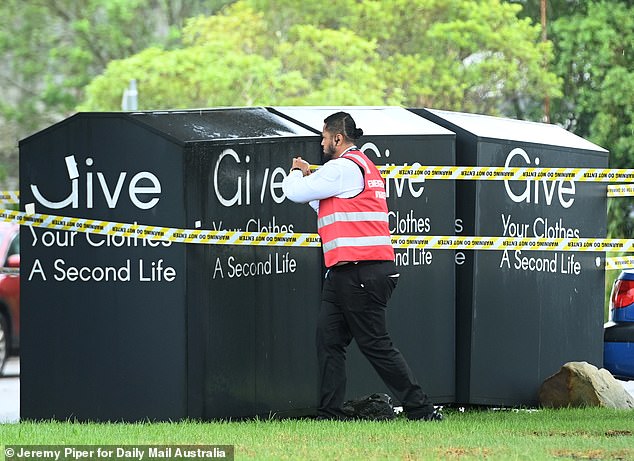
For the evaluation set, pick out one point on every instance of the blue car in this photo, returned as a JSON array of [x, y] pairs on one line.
[[618, 336]]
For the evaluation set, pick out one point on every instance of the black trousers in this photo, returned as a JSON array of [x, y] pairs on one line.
[[353, 305]]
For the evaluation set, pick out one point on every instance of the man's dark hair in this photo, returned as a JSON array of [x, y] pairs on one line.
[[342, 122]]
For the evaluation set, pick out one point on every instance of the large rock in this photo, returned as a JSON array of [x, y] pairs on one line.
[[580, 384]]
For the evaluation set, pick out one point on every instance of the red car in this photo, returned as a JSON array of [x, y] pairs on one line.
[[9, 291]]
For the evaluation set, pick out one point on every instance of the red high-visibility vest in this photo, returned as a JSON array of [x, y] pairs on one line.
[[356, 228]]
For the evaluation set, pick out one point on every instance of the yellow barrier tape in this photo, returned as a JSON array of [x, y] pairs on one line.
[[493, 173], [511, 243], [500, 173], [10, 270], [399, 241], [9, 196], [509, 173], [160, 233], [619, 263], [308, 240], [620, 190]]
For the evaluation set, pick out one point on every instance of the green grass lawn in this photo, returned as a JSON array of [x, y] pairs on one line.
[[573, 434]]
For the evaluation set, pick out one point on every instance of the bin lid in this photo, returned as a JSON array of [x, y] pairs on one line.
[[486, 126], [373, 120], [219, 124]]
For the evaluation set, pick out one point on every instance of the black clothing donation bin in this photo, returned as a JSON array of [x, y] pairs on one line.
[[421, 315], [522, 314], [125, 329]]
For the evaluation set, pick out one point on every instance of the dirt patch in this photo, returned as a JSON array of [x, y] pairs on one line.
[[564, 434], [617, 433], [593, 454], [585, 434], [461, 452]]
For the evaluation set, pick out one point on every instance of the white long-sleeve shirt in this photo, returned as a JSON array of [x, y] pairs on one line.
[[339, 177]]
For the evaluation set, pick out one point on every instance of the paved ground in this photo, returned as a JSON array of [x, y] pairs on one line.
[[10, 392]]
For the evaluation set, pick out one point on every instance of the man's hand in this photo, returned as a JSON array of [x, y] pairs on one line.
[[302, 164]]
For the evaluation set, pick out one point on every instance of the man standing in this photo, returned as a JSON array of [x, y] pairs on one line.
[[348, 194]]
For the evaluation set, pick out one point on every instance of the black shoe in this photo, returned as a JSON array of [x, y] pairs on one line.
[[435, 415]]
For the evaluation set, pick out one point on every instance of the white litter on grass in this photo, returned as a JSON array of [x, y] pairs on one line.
[[516, 410], [628, 385]]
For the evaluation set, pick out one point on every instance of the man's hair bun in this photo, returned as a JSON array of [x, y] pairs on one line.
[[342, 122]]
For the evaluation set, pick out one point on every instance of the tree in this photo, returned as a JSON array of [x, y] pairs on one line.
[[234, 59], [555, 9], [216, 66], [593, 48], [53, 48], [595, 58], [471, 55], [483, 57]]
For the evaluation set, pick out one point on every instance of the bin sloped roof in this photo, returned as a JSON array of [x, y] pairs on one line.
[[486, 126], [375, 121], [185, 126], [220, 124]]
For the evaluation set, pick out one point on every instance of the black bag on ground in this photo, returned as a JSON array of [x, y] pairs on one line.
[[374, 406]]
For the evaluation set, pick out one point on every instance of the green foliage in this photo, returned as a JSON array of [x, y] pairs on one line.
[[595, 57], [52, 49], [554, 8], [200, 76], [216, 68], [457, 54], [544, 434]]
